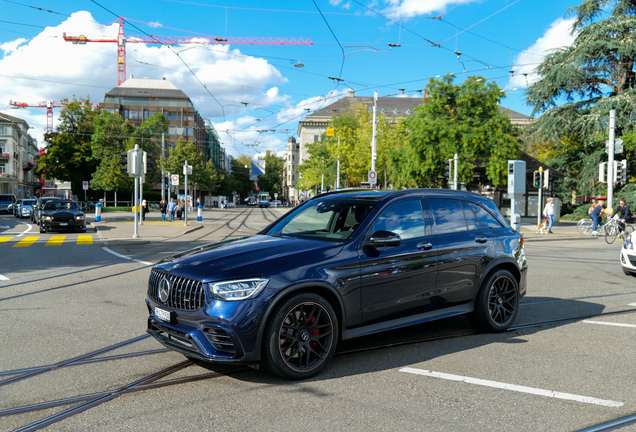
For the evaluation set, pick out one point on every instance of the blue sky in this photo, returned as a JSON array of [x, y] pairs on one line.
[[493, 36]]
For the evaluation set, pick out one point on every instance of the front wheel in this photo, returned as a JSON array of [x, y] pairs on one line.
[[611, 231], [497, 303], [300, 337]]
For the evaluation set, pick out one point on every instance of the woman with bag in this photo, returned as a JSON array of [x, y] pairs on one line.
[[548, 213]]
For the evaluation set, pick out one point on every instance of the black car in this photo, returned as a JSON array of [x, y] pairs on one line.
[[340, 266], [62, 215]]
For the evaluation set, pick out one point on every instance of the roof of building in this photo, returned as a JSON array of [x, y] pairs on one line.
[[134, 87], [7, 117], [391, 106]]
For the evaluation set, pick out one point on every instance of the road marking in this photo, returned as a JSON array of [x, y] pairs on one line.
[[5, 239], [29, 228], [26, 242], [84, 239], [609, 323], [632, 304], [3, 278], [125, 257], [55, 241], [513, 387]]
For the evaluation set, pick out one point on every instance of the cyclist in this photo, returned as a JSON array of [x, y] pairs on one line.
[[595, 213], [624, 215]]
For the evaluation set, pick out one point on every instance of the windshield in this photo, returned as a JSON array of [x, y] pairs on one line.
[[6, 198], [28, 202], [61, 205], [328, 219]]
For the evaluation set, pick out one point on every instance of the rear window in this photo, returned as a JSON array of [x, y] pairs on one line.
[[448, 214], [5, 198], [487, 220], [28, 202]]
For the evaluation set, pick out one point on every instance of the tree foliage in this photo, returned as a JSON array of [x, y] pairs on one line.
[[272, 180], [238, 180], [183, 151]]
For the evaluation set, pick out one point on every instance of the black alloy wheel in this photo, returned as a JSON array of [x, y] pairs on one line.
[[497, 304], [300, 337]]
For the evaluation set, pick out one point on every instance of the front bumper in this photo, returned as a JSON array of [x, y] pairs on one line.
[[628, 259], [65, 225], [199, 334]]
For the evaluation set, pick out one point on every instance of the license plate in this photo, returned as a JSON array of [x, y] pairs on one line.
[[163, 315], [63, 224]]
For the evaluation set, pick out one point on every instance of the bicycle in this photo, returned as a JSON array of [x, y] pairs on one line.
[[613, 229]]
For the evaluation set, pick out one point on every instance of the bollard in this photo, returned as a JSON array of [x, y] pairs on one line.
[[98, 212], [199, 213]]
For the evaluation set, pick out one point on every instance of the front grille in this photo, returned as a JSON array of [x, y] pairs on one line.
[[175, 337], [220, 340], [185, 293], [632, 260], [62, 219]]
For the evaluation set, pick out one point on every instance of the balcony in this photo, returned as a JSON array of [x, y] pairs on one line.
[[28, 166], [5, 156]]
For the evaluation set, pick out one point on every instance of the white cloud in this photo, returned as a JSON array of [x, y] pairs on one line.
[[57, 70], [412, 8], [558, 35]]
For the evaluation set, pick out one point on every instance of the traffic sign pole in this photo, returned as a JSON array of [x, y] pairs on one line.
[[610, 161], [136, 201]]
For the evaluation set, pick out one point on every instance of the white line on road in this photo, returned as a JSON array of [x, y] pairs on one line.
[[632, 304], [3, 277], [29, 228], [513, 387], [125, 257], [610, 323]]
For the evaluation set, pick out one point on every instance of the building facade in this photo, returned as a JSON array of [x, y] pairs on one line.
[[18, 155], [314, 125], [213, 150], [137, 99]]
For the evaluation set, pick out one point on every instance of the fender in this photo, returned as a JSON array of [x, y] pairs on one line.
[[283, 293], [498, 262]]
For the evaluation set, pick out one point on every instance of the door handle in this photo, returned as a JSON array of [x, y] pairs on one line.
[[424, 246], [481, 239]]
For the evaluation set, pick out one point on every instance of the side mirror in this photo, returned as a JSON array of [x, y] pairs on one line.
[[383, 238]]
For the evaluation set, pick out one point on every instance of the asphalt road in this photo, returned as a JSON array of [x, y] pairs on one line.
[[65, 298]]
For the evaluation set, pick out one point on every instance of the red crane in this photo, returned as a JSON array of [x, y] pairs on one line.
[[177, 40], [49, 105]]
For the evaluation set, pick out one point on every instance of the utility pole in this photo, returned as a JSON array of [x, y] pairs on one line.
[[136, 173], [456, 159], [338, 167], [374, 146], [322, 182], [163, 176], [610, 161], [186, 170], [540, 204]]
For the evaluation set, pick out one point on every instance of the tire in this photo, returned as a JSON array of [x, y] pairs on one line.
[[581, 225], [300, 349], [497, 303], [611, 231], [628, 230]]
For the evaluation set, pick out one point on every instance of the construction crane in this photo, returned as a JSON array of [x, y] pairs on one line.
[[122, 40], [49, 105]]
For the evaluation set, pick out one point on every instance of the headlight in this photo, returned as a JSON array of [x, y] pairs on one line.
[[46, 218], [79, 217], [241, 289]]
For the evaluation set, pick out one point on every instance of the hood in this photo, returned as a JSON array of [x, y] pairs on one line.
[[246, 256], [61, 213]]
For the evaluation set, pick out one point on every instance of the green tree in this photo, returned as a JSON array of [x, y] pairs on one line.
[[272, 180], [69, 152], [463, 119], [238, 180], [320, 162], [186, 151]]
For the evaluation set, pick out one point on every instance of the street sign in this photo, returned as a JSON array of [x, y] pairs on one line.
[[85, 185], [19, 191], [373, 177], [618, 146], [275, 195], [187, 170], [175, 179], [330, 132]]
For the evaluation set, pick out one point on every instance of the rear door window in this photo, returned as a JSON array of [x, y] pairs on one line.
[[471, 220], [487, 220], [448, 215]]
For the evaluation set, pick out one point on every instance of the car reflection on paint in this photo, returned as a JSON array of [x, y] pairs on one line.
[[342, 265]]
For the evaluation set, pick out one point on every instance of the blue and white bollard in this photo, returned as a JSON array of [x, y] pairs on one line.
[[98, 212], [199, 213]]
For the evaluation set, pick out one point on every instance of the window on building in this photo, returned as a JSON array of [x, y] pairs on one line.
[[172, 115], [134, 115], [316, 138], [190, 116], [125, 114], [2, 168], [3, 130], [3, 146], [190, 131]]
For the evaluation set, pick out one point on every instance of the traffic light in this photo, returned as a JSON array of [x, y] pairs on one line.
[[536, 179], [447, 169], [124, 161], [620, 171], [601, 172], [166, 181], [547, 179]]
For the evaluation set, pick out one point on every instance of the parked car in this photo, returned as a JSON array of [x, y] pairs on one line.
[[6, 203], [36, 210], [275, 203], [23, 207], [263, 204], [628, 255], [62, 215], [342, 265]]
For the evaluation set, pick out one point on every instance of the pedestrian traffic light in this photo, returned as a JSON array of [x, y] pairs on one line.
[[166, 182], [536, 179], [620, 172], [124, 161]]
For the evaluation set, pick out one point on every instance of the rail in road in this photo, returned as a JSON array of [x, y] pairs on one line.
[[151, 381]]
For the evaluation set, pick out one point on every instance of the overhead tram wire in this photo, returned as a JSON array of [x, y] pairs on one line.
[[170, 48], [334, 36]]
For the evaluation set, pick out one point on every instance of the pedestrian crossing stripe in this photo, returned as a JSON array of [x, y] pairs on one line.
[[56, 240]]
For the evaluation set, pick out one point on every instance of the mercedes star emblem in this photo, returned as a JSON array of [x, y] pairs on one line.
[[164, 289]]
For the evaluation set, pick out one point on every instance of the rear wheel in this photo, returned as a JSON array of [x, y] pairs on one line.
[[300, 337], [497, 303]]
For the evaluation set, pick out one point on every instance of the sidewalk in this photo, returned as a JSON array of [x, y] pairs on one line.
[[117, 228], [563, 230]]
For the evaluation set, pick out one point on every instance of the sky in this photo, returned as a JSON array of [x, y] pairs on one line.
[[255, 94]]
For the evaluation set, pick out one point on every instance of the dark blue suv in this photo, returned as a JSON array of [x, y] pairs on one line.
[[342, 265]]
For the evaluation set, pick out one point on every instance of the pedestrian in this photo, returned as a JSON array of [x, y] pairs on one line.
[[172, 207], [625, 215], [163, 207], [144, 210], [548, 212], [179, 209]]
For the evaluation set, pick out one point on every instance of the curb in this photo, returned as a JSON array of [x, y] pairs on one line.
[[140, 242]]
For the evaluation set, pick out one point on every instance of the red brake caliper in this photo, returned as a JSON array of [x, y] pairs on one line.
[[315, 332]]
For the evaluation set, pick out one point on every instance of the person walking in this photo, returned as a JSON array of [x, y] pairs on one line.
[[548, 212], [163, 207], [144, 209], [172, 207], [179, 209]]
